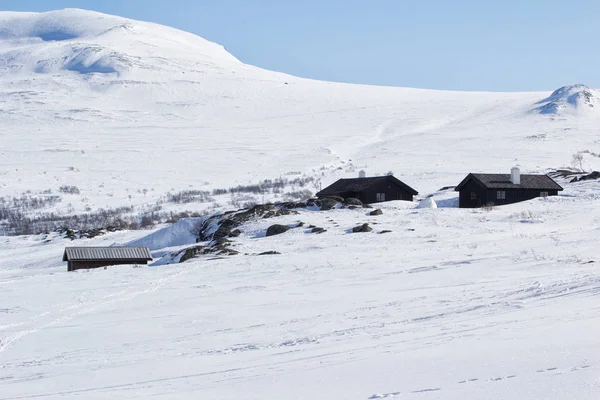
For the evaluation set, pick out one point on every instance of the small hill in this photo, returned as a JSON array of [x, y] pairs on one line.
[[571, 99], [89, 42]]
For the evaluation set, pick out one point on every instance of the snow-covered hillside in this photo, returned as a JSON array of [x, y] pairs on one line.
[[99, 111], [451, 304], [96, 101]]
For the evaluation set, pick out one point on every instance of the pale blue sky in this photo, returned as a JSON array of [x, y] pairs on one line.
[[501, 45]]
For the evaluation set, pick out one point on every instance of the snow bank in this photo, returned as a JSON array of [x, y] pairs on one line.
[[428, 202], [180, 233]]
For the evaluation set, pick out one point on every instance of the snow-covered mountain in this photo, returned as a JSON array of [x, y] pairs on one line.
[[433, 303], [93, 100], [573, 99]]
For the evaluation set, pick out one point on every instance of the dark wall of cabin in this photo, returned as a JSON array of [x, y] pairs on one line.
[[490, 196], [74, 265], [465, 200], [516, 195], [391, 191]]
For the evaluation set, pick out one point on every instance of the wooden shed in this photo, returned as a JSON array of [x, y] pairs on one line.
[[96, 257], [370, 190], [478, 190]]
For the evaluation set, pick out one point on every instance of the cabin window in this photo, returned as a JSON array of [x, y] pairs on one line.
[[380, 196], [543, 194], [473, 195], [501, 194]]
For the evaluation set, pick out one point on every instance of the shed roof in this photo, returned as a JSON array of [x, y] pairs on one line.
[[362, 184], [106, 253], [502, 181]]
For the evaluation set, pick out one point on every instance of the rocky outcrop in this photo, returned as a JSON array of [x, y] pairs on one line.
[[593, 175], [225, 225], [351, 201], [327, 204], [277, 229], [362, 228], [376, 212], [269, 253], [219, 248]]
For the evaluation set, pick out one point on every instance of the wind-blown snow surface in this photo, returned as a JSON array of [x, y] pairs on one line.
[[452, 304]]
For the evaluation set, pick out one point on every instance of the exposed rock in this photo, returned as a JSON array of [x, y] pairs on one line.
[[593, 175], [277, 229], [75, 234], [336, 198], [385, 231], [351, 201], [220, 248], [312, 202], [269, 214], [227, 222], [564, 173], [292, 204], [190, 253], [376, 212], [225, 228], [221, 242], [318, 230], [235, 233], [362, 228], [367, 206], [327, 204], [268, 253]]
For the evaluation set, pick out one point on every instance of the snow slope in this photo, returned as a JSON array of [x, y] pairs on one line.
[[451, 304], [96, 101]]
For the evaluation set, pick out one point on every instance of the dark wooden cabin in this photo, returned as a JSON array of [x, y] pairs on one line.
[[478, 190], [96, 257], [370, 190]]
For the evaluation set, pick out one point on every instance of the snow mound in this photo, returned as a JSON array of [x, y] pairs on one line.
[[87, 42], [567, 99], [427, 203], [180, 233]]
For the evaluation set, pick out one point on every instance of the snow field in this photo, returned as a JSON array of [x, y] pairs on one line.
[[451, 304]]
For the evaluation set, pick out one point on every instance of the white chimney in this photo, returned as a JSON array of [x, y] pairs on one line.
[[362, 173], [515, 176]]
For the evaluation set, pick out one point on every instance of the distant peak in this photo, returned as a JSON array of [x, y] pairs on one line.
[[88, 42], [566, 91], [567, 98]]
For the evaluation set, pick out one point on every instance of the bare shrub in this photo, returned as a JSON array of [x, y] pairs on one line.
[[68, 189], [189, 196], [298, 195]]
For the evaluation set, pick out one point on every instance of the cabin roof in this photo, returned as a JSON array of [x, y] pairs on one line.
[[502, 181], [106, 253], [362, 184]]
